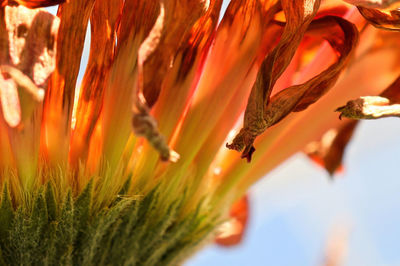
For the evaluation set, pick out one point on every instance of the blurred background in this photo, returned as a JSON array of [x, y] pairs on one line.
[[297, 211]]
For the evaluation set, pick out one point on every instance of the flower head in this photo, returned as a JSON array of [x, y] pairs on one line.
[[166, 81]]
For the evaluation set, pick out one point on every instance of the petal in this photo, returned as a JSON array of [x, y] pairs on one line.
[[104, 21], [373, 107], [31, 52], [137, 20], [241, 41], [157, 51], [9, 100], [330, 150], [278, 143], [179, 85], [231, 232], [74, 17], [299, 15], [374, 3], [32, 3], [389, 20]]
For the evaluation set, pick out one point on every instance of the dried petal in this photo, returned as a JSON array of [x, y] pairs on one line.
[[373, 107], [373, 3], [28, 61], [369, 107], [27, 58], [157, 51], [376, 47], [24, 82], [74, 16], [389, 20], [28, 97], [104, 21], [31, 42], [180, 83], [243, 38], [263, 112], [330, 150], [299, 15]]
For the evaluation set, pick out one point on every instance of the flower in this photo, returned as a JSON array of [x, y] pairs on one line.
[[87, 166]]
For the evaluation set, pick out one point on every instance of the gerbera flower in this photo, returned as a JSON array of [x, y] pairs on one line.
[[131, 167]]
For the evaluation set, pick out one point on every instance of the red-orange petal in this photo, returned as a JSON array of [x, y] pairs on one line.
[[32, 3], [231, 232]]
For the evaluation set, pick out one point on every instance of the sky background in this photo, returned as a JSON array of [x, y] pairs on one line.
[[296, 208]]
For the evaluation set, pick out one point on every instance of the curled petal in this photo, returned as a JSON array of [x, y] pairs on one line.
[[299, 15], [143, 123], [369, 107], [342, 36], [330, 150], [376, 47], [373, 3], [373, 107], [389, 20]]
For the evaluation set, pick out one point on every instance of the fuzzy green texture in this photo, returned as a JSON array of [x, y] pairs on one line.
[[130, 231]]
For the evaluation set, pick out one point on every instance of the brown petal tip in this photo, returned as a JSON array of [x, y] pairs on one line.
[[369, 107], [243, 141], [247, 153], [144, 125]]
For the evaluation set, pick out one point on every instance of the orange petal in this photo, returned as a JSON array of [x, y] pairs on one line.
[[180, 83], [330, 150], [240, 42], [74, 16], [32, 3], [156, 54], [104, 21], [137, 20], [231, 232]]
